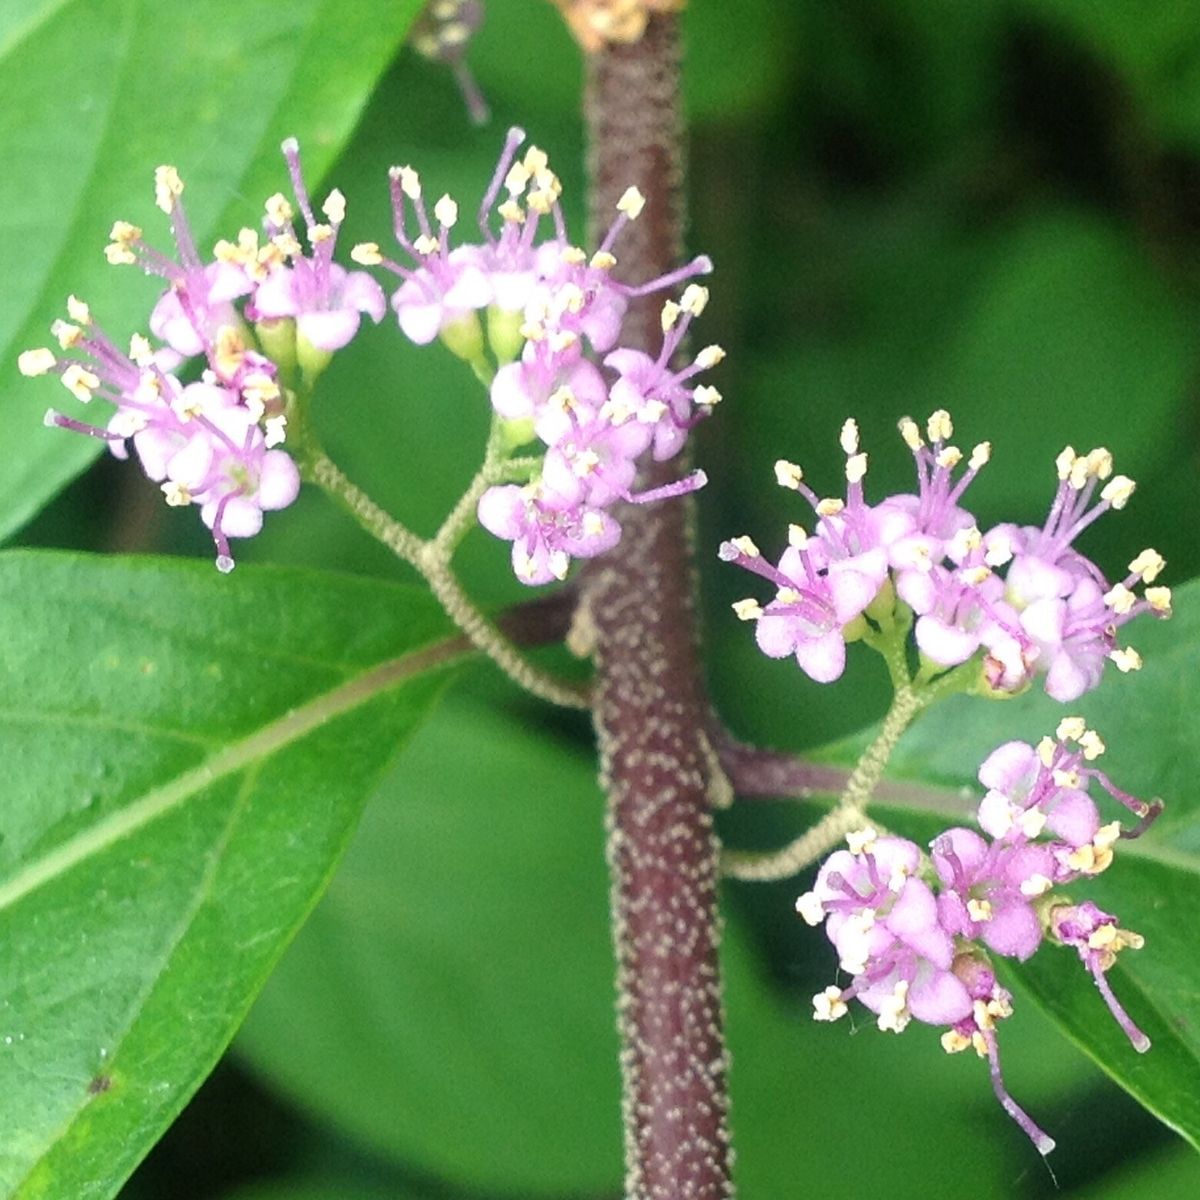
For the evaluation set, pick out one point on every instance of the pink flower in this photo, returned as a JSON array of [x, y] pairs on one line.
[[198, 300], [556, 392], [814, 601], [988, 890], [546, 532], [990, 1003], [883, 921], [1065, 610], [1098, 939], [958, 610], [325, 299], [914, 953]]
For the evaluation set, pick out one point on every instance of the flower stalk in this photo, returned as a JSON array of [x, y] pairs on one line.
[[432, 559]]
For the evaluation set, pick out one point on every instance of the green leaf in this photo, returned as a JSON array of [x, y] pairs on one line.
[[1148, 722], [450, 1004], [321, 1189], [98, 93], [458, 978], [1155, 47], [186, 757], [1050, 329]]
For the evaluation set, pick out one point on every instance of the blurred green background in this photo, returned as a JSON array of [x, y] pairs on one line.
[[992, 207]]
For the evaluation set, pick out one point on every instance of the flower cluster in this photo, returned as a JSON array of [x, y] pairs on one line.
[[915, 933], [252, 313], [554, 319], [1022, 598]]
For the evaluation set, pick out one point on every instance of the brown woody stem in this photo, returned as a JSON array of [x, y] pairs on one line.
[[657, 766]]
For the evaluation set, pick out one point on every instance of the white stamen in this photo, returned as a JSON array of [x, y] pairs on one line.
[[631, 203], [1159, 599], [168, 187], [275, 430], [410, 182], [367, 254], [911, 433], [954, 1042], [140, 350], [176, 494], [861, 841], [1100, 463], [1047, 748], [1126, 659], [694, 299], [80, 382], [1118, 490], [748, 609], [856, 468], [335, 207], [940, 428], [788, 474], [809, 906], [829, 1005], [1148, 565], [36, 362], [1119, 598], [893, 1012], [279, 210], [1070, 729], [980, 456]]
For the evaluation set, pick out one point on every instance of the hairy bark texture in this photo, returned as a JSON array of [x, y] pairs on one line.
[[650, 709]]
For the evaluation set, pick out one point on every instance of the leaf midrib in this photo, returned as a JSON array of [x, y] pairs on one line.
[[251, 749]]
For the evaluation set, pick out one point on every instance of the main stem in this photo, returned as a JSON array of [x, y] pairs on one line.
[[650, 710]]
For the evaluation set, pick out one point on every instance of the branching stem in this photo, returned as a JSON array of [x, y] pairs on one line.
[[850, 811], [432, 559]]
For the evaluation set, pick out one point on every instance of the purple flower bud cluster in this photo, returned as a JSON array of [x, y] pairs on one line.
[[268, 310], [554, 319], [213, 442], [914, 932], [1051, 612]]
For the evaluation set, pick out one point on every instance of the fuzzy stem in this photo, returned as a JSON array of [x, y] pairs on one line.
[[757, 772], [432, 560], [317, 467], [850, 811], [657, 766], [486, 637]]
